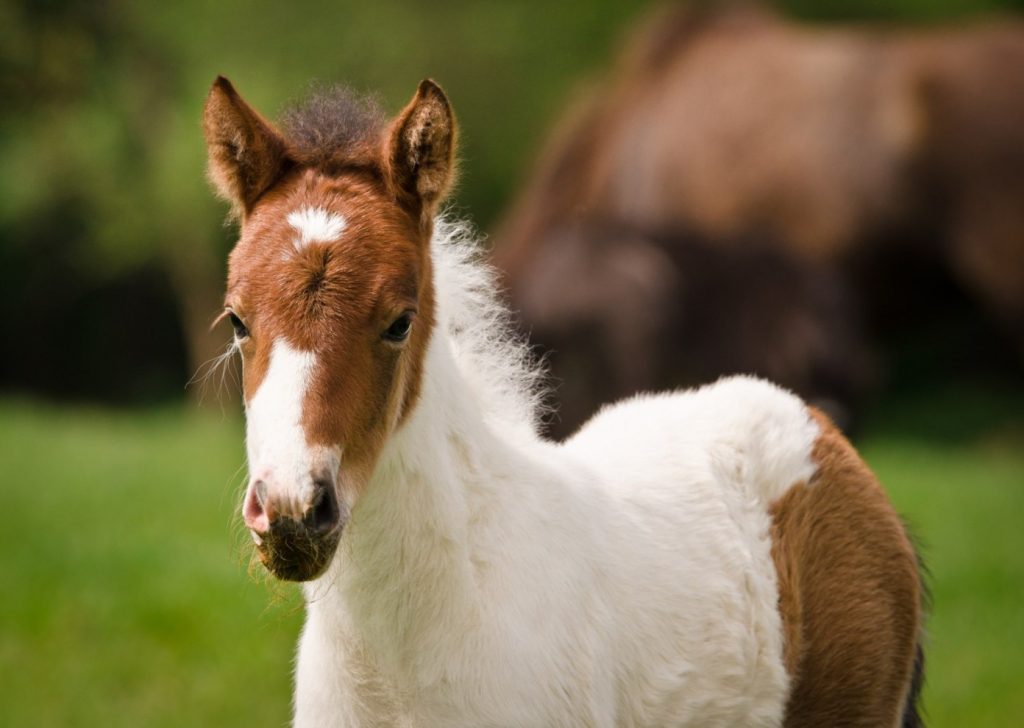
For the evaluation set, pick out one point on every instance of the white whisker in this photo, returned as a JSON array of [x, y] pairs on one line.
[[221, 365]]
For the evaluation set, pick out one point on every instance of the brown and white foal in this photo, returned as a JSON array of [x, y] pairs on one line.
[[712, 557]]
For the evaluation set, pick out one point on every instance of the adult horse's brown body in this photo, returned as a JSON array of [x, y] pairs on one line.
[[730, 147]]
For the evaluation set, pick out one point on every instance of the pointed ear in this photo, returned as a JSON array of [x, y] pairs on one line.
[[421, 148], [245, 154]]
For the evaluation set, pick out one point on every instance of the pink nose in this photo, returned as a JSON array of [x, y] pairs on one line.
[[319, 515], [254, 512]]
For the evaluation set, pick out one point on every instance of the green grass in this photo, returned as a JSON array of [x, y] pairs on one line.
[[128, 601], [965, 505]]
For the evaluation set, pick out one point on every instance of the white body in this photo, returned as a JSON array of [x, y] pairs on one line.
[[490, 578]]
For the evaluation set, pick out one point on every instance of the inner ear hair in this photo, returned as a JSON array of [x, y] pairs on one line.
[[245, 153], [421, 148]]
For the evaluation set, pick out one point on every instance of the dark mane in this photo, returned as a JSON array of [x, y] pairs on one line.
[[332, 122]]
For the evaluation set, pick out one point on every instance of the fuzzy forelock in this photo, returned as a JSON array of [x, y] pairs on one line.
[[332, 119], [493, 358]]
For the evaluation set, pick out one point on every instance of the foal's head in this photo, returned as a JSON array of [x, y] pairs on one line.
[[331, 297]]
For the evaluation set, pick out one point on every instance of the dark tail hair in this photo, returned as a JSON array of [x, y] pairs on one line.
[[911, 714], [912, 711]]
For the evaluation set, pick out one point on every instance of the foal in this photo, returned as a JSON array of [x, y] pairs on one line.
[[713, 557]]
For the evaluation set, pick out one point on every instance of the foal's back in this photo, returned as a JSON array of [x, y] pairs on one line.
[[776, 518]]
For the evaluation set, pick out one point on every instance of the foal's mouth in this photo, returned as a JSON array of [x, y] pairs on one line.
[[292, 546], [293, 552]]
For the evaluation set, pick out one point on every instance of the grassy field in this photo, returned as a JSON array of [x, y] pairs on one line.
[[128, 600]]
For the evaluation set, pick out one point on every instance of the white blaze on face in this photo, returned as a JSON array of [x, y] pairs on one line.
[[316, 225], [279, 454]]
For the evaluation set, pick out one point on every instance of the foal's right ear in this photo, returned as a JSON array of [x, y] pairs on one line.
[[421, 148], [245, 154]]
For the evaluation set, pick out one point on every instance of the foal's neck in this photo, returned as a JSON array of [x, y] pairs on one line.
[[404, 572]]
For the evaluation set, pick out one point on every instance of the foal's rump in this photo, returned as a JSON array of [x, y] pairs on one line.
[[849, 594], [814, 546]]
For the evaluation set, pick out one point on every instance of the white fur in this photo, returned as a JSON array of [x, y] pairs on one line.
[[490, 578], [316, 225], [278, 452]]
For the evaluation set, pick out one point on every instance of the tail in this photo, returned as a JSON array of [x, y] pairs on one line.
[[912, 712]]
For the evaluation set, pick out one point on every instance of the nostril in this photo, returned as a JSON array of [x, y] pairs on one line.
[[254, 512], [323, 514]]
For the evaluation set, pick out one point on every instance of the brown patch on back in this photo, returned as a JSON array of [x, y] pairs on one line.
[[849, 592]]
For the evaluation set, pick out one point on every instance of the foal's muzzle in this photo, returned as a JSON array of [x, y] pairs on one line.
[[295, 541]]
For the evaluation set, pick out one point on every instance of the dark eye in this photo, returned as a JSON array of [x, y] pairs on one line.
[[399, 330], [240, 331]]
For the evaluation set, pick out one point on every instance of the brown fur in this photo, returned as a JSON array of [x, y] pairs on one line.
[[421, 149], [736, 130], [850, 593], [338, 298], [974, 91], [246, 153]]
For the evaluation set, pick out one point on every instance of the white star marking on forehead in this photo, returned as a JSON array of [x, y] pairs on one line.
[[316, 225]]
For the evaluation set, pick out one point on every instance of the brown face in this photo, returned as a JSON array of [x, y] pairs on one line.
[[332, 286], [330, 293]]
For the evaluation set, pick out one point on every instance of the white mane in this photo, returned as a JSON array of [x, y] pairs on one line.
[[493, 359]]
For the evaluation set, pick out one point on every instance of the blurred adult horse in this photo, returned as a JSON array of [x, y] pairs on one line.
[[729, 139]]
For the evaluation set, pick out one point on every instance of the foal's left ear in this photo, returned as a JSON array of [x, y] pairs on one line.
[[246, 154], [421, 148]]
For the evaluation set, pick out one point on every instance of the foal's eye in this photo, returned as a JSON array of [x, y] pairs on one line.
[[240, 331], [399, 330]]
